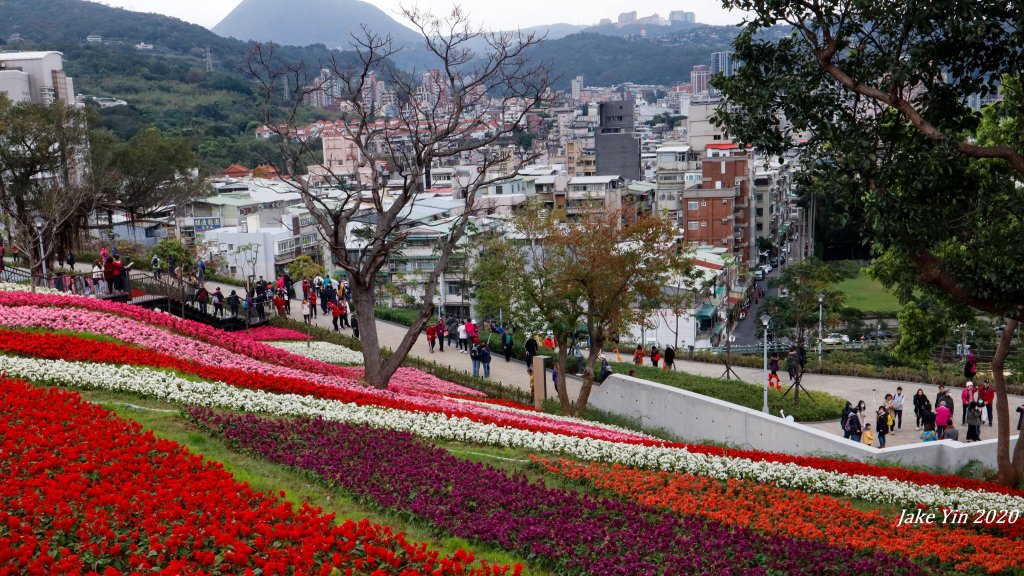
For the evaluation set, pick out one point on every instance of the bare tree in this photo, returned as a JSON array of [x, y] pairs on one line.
[[449, 115]]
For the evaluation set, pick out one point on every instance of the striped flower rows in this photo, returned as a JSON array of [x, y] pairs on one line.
[[166, 386]]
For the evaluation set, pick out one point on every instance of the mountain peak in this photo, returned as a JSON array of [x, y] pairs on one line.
[[304, 22]]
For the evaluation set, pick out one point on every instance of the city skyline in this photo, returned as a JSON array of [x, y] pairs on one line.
[[497, 16]]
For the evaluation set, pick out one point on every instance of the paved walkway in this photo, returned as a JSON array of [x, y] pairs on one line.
[[871, 391]]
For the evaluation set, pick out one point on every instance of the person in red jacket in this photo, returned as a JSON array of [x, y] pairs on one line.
[[987, 394], [335, 314], [431, 337]]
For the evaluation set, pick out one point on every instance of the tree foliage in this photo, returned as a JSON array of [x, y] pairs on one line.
[[876, 95], [797, 312]]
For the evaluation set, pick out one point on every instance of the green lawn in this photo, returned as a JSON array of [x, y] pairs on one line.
[[867, 294]]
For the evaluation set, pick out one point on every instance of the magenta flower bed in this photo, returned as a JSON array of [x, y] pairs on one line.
[[578, 534]]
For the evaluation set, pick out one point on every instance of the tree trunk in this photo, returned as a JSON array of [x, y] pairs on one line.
[[588, 377], [1009, 471], [378, 370], [563, 369]]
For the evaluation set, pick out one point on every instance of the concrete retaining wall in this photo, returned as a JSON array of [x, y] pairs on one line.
[[694, 417]]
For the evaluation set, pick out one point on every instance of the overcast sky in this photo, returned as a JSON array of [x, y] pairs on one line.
[[493, 14]]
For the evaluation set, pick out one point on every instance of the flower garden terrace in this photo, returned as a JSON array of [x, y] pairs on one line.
[[431, 458]]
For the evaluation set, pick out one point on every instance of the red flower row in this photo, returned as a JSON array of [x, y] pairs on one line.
[[82, 491]]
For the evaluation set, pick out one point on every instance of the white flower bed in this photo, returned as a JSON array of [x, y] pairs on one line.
[[323, 351], [12, 287], [166, 386]]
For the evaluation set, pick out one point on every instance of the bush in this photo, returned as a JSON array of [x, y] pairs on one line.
[[403, 316]]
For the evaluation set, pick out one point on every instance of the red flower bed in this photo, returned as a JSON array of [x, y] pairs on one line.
[[496, 401], [795, 513], [82, 491]]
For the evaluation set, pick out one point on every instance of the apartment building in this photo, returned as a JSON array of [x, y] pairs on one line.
[[718, 212], [617, 145], [677, 167]]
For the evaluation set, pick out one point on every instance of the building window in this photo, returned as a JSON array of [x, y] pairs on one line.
[[703, 223], [691, 205], [693, 225]]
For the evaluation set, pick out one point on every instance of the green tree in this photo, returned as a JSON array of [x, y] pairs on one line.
[[42, 176], [803, 283], [304, 267], [165, 249], [882, 90]]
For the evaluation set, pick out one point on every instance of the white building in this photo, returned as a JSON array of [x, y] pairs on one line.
[[35, 77]]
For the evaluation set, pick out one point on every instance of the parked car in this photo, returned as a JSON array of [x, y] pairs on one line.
[[879, 335], [759, 274], [835, 338], [784, 292]]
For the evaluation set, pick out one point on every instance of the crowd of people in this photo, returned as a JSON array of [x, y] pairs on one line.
[[464, 336], [933, 420]]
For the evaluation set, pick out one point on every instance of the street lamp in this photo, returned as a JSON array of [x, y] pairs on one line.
[[764, 320], [821, 303], [40, 223]]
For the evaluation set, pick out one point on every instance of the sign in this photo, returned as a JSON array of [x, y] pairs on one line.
[[204, 224]]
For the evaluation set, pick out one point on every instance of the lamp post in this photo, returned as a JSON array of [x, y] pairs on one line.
[[821, 303], [40, 223], [764, 321]]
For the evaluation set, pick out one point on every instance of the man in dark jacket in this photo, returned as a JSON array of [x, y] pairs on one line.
[[531, 351]]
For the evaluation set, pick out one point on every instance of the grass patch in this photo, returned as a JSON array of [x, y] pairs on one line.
[[824, 407], [165, 421], [868, 295], [403, 316]]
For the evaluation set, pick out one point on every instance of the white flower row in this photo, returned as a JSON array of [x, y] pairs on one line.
[[555, 417], [323, 351], [169, 387], [13, 287]]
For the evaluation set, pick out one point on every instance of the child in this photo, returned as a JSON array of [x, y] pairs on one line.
[[868, 437], [929, 436], [305, 310]]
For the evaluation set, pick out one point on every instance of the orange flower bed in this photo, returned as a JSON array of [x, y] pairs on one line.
[[797, 514]]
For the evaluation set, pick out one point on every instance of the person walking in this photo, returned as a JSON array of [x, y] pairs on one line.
[[531, 350], [853, 426], [966, 399], [792, 363], [638, 355], [655, 356], [974, 420], [485, 358], [507, 344], [218, 303], [234, 302], [472, 331], [97, 277], [312, 304], [898, 400], [921, 405], [474, 356], [670, 358], [336, 315], [440, 329], [773, 372], [464, 339], [452, 330], [202, 297], [431, 336], [987, 395], [155, 265]]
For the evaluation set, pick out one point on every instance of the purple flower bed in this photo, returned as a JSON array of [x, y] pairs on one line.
[[577, 533]]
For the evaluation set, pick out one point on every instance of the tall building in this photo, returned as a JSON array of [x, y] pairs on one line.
[[699, 77], [577, 88], [616, 143], [35, 77], [721, 63], [627, 17]]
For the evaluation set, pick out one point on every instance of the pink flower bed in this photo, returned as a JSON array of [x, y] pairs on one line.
[[407, 384]]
